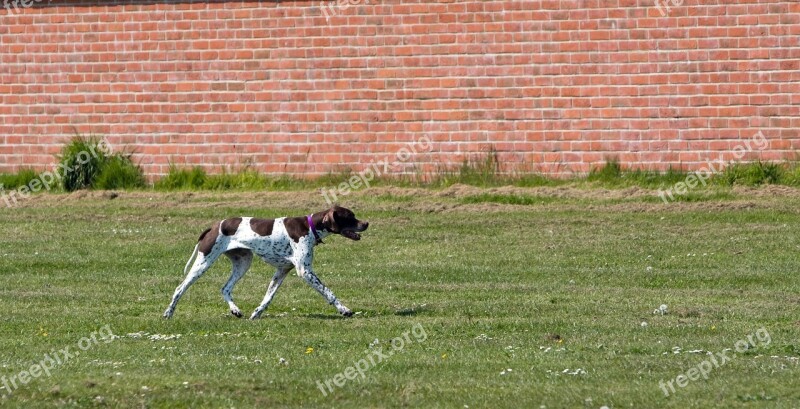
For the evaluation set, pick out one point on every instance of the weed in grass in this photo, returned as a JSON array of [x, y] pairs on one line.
[[609, 173], [752, 174], [652, 179], [182, 179], [612, 174], [19, 179], [791, 176], [482, 172], [120, 172], [245, 179], [477, 172], [81, 161]]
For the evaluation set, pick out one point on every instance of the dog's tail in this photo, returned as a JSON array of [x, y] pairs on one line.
[[188, 263]]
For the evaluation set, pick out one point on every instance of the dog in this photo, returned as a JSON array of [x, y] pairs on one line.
[[286, 243]]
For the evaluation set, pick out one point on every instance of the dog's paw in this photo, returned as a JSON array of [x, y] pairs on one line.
[[346, 313], [167, 314], [254, 317], [237, 313]]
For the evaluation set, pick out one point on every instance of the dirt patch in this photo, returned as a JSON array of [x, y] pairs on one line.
[[401, 192], [561, 192], [767, 191], [641, 207], [626, 207], [459, 191]]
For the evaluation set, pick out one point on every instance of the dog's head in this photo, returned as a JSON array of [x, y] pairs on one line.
[[339, 220]]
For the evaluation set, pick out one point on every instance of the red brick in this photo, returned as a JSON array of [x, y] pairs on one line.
[[544, 82]]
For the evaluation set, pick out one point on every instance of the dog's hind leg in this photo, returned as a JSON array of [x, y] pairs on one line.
[[201, 265], [277, 279], [241, 260]]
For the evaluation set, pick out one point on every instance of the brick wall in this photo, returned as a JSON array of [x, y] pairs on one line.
[[308, 87]]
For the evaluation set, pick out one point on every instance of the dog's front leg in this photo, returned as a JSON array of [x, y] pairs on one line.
[[277, 279], [312, 280]]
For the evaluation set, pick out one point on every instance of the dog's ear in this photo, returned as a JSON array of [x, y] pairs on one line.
[[328, 220]]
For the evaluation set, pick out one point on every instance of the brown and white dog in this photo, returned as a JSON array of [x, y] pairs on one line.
[[285, 243]]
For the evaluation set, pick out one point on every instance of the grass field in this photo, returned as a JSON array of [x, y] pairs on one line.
[[557, 284]]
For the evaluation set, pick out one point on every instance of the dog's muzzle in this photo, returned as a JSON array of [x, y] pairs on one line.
[[352, 234]]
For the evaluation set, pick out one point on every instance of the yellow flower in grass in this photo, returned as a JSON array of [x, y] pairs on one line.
[[444, 356], [309, 350]]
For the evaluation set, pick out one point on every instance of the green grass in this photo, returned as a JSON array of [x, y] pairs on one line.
[[756, 173], [613, 175], [182, 179], [525, 200], [81, 162], [15, 180], [196, 178], [89, 163], [538, 287], [119, 172], [85, 164]]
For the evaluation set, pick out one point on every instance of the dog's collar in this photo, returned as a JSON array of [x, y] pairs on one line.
[[314, 230]]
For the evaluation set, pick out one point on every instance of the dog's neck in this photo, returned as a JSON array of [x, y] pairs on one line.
[[314, 228]]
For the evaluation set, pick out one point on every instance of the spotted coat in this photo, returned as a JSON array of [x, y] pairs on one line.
[[285, 243]]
